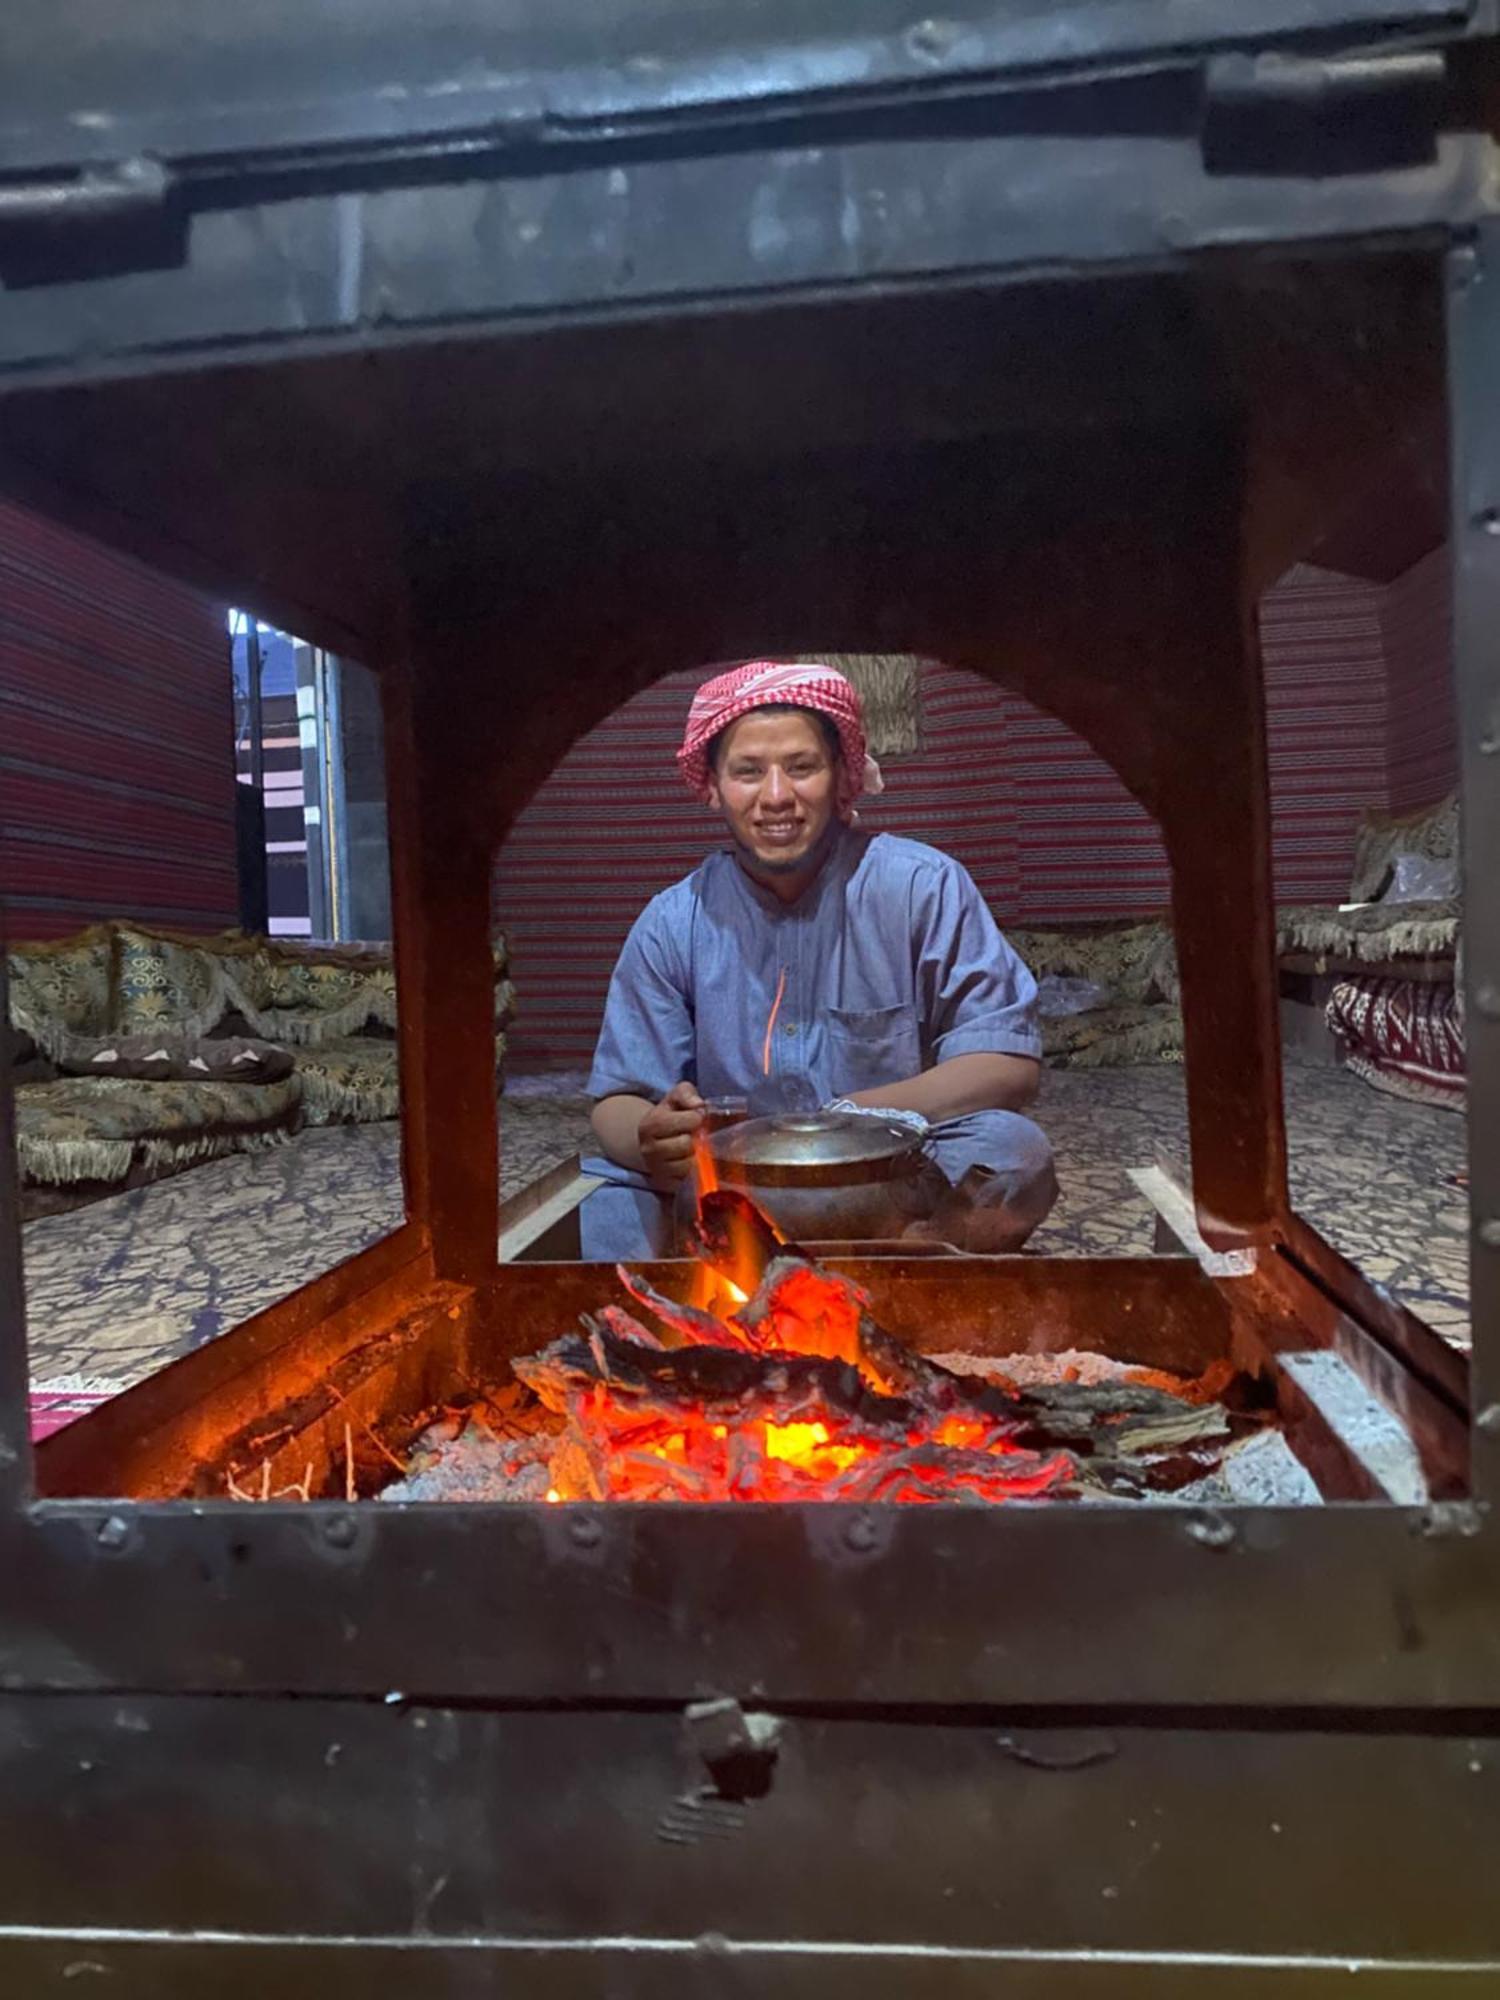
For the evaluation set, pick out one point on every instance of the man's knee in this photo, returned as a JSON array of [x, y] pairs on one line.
[[624, 1225], [1000, 1166]]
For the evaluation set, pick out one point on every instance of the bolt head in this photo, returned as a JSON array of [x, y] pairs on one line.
[[339, 1531], [114, 1533], [1489, 1232], [1212, 1531], [584, 1531], [1487, 1423]]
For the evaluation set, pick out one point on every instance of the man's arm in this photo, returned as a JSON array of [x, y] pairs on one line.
[[654, 1139], [962, 1084]]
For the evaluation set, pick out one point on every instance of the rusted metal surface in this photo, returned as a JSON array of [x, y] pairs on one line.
[[1077, 491], [463, 1815], [1474, 343]]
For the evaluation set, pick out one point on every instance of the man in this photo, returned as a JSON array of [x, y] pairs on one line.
[[809, 963]]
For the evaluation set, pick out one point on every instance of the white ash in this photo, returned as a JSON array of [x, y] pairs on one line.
[[474, 1465], [1069, 1364]]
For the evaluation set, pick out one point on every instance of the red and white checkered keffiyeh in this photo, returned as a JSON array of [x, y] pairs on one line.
[[762, 684]]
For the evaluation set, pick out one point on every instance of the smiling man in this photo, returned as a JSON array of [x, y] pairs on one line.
[[811, 962]]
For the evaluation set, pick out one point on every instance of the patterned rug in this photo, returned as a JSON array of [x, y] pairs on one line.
[[119, 1289]]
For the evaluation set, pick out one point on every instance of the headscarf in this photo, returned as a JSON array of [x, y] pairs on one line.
[[772, 683]]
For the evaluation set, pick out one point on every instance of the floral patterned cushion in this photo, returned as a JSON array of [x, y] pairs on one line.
[[1129, 1033], [1134, 963], [96, 1128], [319, 999], [165, 982], [63, 989], [349, 1079], [356, 1078]]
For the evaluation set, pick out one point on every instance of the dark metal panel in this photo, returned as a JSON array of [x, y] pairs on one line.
[[709, 1968], [1474, 358], [348, 270], [332, 1821], [1111, 1605], [83, 80]]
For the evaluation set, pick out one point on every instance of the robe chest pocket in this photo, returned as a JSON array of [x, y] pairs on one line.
[[873, 1045]]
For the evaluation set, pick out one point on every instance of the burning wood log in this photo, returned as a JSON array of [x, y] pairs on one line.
[[802, 1395], [688, 1323]]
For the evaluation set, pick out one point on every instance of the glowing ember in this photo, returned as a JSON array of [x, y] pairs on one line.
[[789, 1392], [810, 1445]]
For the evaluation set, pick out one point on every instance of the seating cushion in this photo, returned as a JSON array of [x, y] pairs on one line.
[[96, 1128]]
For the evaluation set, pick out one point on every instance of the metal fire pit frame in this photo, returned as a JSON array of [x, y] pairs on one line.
[[1232, 1674]]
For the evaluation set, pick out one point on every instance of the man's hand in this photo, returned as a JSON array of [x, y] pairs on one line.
[[654, 1139], [666, 1134]]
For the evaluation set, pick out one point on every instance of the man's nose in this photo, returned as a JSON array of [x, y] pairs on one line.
[[778, 788]]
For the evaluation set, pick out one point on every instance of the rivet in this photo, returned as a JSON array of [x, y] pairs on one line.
[[1463, 266], [585, 1531], [339, 1531], [1488, 522], [114, 1533], [1488, 1420], [930, 41], [1212, 1531], [1487, 1001], [862, 1533], [1489, 1232]]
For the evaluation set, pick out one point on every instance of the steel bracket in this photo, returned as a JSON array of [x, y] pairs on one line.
[[1269, 115], [92, 223]]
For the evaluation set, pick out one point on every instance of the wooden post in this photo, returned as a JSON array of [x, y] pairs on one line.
[[440, 871]]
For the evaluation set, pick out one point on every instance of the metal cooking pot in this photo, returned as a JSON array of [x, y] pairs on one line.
[[825, 1175]]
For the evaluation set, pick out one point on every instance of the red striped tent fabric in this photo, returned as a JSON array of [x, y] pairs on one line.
[[116, 740], [1422, 748]]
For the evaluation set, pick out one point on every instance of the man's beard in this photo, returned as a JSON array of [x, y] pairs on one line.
[[805, 863]]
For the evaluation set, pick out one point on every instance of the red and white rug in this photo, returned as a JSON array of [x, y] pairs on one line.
[[58, 1401]]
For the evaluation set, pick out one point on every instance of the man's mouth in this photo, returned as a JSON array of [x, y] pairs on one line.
[[779, 833]]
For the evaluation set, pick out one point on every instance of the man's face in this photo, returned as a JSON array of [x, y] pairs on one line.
[[775, 784]]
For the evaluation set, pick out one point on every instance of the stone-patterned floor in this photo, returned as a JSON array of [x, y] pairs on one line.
[[122, 1287]]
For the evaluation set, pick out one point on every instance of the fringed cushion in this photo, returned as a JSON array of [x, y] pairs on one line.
[[97, 1128], [1134, 963], [1106, 1036], [1374, 934], [356, 1079], [352, 1079], [166, 983], [63, 989]]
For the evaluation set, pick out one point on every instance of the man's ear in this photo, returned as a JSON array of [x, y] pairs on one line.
[[715, 796]]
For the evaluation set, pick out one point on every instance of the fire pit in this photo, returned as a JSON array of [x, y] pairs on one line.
[[532, 355], [794, 1392]]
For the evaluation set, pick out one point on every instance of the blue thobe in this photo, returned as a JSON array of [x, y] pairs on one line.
[[888, 963]]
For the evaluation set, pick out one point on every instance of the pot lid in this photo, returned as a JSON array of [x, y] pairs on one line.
[[818, 1142]]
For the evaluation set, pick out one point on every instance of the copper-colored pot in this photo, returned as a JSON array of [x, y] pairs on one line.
[[824, 1176]]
